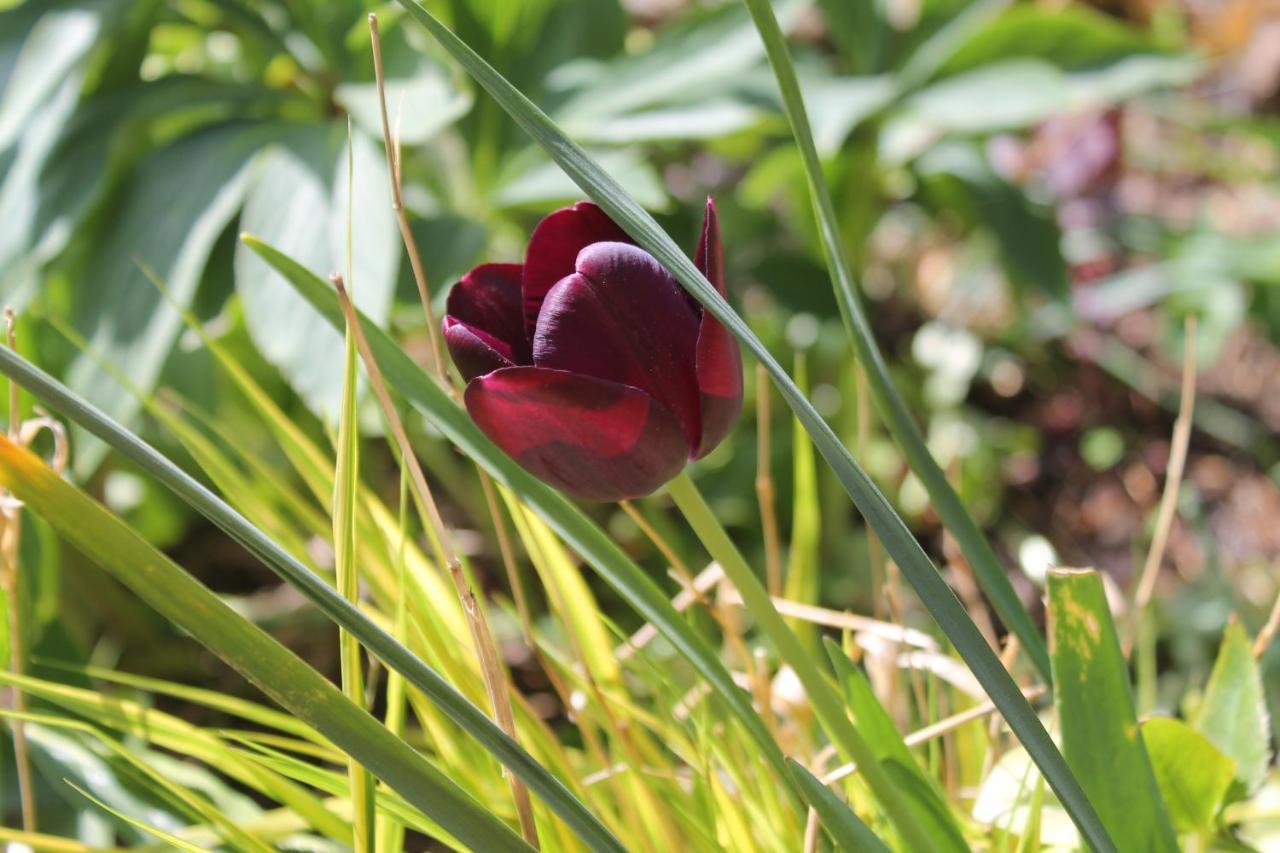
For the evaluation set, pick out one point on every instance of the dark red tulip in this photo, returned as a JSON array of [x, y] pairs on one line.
[[589, 364]]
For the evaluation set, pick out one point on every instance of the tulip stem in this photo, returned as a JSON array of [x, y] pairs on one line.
[[830, 710]]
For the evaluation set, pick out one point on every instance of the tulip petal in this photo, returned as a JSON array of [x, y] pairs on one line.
[[589, 437], [487, 299], [719, 361], [554, 247], [474, 351], [622, 317], [710, 256]]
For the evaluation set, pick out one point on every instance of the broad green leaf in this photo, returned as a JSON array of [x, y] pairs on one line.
[[840, 104], [1000, 96], [1071, 37], [596, 547], [705, 54], [860, 29], [893, 533], [420, 104], [703, 120], [1233, 714], [534, 182], [342, 612], [877, 727], [298, 201], [1100, 735], [1027, 233], [24, 242], [54, 45], [170, 226], [846, 828], [1192, 773], [273, 668]]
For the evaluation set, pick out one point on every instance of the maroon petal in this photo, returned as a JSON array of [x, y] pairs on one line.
[[554, 247], [591, 438], [474, 351], [719, 362], [622, 317], [488, 299], [710, 256]]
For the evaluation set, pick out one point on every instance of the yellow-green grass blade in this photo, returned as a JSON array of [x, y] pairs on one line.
[[345, 487], [579, 532], [215, 700], [846, 828], [915, 565], [990, 574], [381, 644], [1100, 735], [247, 648], [168, 838], [47, 843]]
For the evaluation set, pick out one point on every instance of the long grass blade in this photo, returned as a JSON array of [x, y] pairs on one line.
[[991, 575], [278, 672], [896, 538], [348, 583], [379, 643]]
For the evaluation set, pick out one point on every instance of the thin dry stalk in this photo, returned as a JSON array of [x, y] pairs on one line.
[[765, 492], [1007, 657], [10, 578], [1177, 461], [694, 590], [967, 586], [1268, 632], [495, 680], [845, 621], [397, 202], [682, 571]]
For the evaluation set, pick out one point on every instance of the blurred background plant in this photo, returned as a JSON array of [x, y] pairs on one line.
[[1035, 197]]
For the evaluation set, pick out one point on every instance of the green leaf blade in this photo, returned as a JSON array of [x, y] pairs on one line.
[[1100, 736], [1233, 714]]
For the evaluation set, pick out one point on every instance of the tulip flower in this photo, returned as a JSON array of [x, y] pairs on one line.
[[589, 364]]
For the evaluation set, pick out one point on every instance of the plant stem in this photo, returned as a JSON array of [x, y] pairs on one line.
[[826, 704]]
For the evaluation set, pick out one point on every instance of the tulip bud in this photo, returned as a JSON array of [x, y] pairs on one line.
[[589, 364]]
